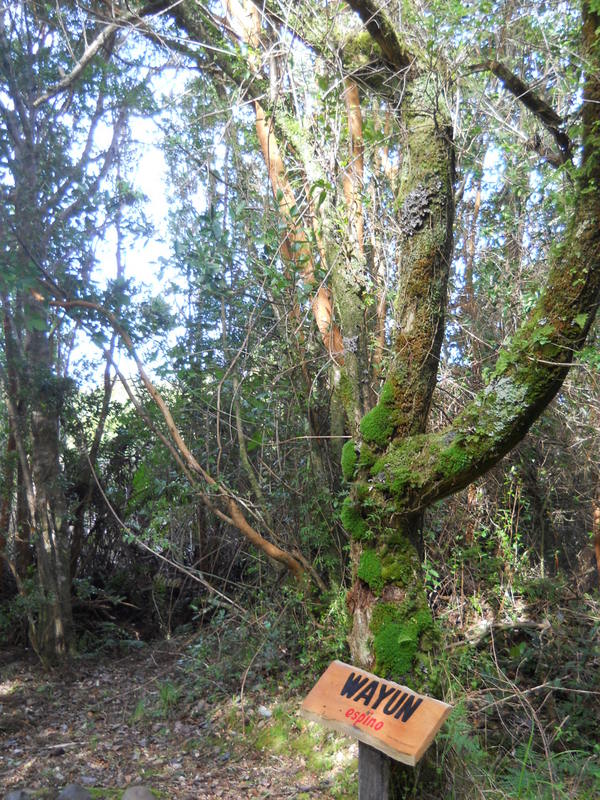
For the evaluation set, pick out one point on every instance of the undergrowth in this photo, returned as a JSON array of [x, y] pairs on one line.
[[520, 663]]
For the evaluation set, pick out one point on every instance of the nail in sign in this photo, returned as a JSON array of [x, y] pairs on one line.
[[379, 713]]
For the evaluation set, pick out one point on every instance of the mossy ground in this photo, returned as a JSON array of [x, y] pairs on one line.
[[207, 741], [321, 751]]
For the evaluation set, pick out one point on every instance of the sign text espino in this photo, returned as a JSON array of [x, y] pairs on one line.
[[383, 714]]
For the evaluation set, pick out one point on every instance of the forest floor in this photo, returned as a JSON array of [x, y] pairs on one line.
[[111, 722]]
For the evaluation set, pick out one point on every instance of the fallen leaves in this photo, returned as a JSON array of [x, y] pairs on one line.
[[101, 727]]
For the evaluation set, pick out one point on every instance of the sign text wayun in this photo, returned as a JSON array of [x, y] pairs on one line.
[[380, 713]]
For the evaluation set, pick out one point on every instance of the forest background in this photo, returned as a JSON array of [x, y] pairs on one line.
[[361, 411]]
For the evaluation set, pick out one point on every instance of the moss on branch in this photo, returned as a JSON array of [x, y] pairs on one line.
[[384, 33], [377, 425]]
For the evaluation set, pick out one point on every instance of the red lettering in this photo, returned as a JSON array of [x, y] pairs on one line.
[[364, 718]]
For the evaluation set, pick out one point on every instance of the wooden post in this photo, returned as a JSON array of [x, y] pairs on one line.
[[373, 773], [390, 721]]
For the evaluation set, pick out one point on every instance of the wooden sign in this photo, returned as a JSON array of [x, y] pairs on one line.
[[382, 714]]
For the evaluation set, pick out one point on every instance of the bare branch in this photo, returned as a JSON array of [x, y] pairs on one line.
[[87, 56], [541, 110], [236, 515], [102, 40]]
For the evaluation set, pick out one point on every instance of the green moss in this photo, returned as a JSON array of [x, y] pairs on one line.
[[378, 466], [504, 361], [453, 459], [352, 521], [349, 460], [399, 568], [395, 641], [427, 630], [362, 42], [401, 631], [386, 614], [395, 649], [397, 637], [369, 571], [367, 457], [360, 50], [402, 466], [361, 491], [423, 619], [377, 426], [345, 392]]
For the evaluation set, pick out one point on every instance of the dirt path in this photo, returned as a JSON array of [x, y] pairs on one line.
[[111, 723]]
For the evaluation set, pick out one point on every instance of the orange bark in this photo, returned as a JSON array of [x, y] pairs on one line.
[[596, 532], [245, 18], [354, 174], [295, 247]]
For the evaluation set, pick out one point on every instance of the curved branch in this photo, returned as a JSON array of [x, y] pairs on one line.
[[295, 247], [235, 515]]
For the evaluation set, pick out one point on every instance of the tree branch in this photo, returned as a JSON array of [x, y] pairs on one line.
[[129, 21], [538, 107], [383, 32], [530, 370], [87, 56], [236, 516]]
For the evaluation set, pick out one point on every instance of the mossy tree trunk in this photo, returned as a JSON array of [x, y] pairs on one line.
[[388, 599], [394, 467], [36, 389], [54, 625], [392, 625]]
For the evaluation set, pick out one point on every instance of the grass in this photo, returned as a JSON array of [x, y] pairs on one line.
[[320, 750]]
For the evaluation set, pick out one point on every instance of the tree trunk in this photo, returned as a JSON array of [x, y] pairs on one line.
[[55, 623]]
